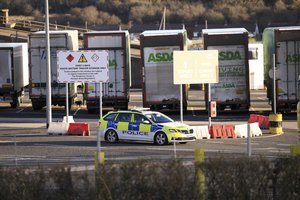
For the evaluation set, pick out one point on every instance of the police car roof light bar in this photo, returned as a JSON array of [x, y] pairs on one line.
[[140, 109]]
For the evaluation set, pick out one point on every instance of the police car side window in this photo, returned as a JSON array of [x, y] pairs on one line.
[[124, 117], [139, 118], [110, 117]]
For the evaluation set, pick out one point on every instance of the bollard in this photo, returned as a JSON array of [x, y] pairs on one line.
[[298, 116], [98, 162], [275, 126], [200, 178]]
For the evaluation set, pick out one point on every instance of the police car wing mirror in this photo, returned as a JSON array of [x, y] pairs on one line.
[[146, 122]]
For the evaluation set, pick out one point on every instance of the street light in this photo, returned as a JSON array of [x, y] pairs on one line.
[[48, 81]]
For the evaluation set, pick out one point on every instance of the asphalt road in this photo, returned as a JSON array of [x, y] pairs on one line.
[[24, 139]]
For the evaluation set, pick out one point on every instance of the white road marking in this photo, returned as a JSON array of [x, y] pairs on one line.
[[28, 105], [76, 111], [215, 142], [283, 145], [279, 151], [193, 112], [244, 143], [169, 149]]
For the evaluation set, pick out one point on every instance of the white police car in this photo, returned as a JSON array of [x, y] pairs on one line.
[[143, 125]]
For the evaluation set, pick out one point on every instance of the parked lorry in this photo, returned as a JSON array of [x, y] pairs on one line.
[[115, 93], [233, 89], [159, 91], [14, 75], [59, 40], [284, 44]]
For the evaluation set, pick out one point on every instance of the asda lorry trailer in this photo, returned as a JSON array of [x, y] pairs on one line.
[[14, 74], [115, 93], [157, 46], [284, 44], [59, 40], [233, 90]]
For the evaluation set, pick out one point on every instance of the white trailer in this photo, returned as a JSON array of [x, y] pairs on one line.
[[157, 46], [116, 92], [14, 74], [233, 89], [284, 44], [59, 40]]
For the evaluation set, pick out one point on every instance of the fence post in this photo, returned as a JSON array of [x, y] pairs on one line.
[[295, 150], [200, 178]]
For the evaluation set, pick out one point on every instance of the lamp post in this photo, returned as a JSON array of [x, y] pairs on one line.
[[48, 81]]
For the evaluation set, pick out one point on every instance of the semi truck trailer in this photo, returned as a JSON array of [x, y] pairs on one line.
[[14, 75], [159, 91], [115, 93], [282, 51], [233, 89], [59, 40]]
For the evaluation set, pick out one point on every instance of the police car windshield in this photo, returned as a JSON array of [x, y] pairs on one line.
[[159, 118]]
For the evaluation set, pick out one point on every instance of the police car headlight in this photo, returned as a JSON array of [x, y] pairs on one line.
[[172, 130]]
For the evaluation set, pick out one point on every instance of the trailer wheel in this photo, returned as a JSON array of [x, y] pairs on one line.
[[16, 102], [36, 106]]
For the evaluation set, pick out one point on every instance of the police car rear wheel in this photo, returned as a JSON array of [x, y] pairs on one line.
[[111, 136], [161, 139]]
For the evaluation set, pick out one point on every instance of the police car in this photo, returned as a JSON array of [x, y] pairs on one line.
[[143, 125]]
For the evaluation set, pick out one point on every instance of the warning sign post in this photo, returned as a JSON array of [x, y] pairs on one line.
[[82, 66]]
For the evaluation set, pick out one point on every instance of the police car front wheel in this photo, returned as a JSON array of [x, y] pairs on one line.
[[111, 136], [161, 139]]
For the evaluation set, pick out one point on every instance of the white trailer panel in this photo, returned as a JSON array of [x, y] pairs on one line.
[[256, 66], [287, 70], [158, 71], [232, 73], [59, 40], [116, 91], [14, 75]]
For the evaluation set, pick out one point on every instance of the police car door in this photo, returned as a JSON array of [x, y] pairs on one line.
[[122, 124], [141, 127]]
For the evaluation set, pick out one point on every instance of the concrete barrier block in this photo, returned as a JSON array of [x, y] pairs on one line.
[[255, 130], [58, 128], [201, 132], [241, 130], [70, 119]]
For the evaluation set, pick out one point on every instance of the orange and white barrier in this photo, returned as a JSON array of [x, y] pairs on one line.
[[241, 130], [70, 119], [222, 131], [201, 132], [81, 129], [255, 130], [58, 128], [263, 121]]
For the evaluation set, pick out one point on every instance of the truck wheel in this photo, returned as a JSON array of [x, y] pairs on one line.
[[160, 138], [36, 106], [15, 103]]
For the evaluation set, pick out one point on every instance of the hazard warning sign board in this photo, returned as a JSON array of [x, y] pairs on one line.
[[82, 66]]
